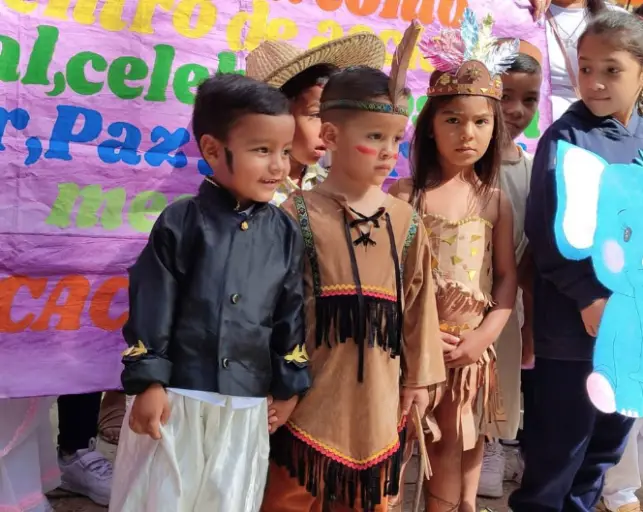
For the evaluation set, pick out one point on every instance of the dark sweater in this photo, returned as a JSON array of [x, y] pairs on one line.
[[562, 288]]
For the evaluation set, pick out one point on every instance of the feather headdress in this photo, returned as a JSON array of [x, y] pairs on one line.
[[400, 64], [468, 60]]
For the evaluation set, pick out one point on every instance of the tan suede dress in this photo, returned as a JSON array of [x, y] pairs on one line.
[[462, 269], [372, 326], [463, 274]]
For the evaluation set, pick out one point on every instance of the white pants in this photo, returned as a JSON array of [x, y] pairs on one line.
[[28, 461], [210, 459], [623, 480]]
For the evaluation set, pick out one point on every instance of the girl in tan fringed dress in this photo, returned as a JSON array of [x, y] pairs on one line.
[[456, 159]]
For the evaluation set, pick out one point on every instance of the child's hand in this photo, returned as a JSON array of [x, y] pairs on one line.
[[591, 316], [470, 349], [449, 341], [417, 396], [151, 409], [279, 411], [528, 357]]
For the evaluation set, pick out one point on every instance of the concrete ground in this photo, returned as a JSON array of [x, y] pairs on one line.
[[64, 502]]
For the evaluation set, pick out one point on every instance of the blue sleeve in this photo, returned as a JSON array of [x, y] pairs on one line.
[[574, 279]]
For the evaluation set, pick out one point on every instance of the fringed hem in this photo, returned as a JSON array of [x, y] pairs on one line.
[[475, 388], [456, 296], [318, 467], [338, 317]]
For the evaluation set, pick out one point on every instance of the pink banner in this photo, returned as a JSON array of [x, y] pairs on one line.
[[94, 143]]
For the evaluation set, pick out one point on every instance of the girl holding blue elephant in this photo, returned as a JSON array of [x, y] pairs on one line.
[[573, 435]]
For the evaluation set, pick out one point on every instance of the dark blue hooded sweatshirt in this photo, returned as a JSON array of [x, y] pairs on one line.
[[562, 288]]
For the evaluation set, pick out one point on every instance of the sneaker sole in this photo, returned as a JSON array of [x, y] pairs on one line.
[[99, 500], [487, 493]]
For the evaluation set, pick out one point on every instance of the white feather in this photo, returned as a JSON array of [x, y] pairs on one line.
[[500, 57]]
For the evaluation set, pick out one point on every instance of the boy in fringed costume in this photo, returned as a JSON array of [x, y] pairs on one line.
[[373, 343]]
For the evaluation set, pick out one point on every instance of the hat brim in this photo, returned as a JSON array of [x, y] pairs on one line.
[[361, 49]]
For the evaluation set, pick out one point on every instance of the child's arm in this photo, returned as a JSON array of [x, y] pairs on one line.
[[152, 300], [505, 287], [422, 359], [505, 276], [575, 279], [290, 377]]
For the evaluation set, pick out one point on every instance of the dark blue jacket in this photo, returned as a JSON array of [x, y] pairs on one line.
[[216, 301], [562, 288]]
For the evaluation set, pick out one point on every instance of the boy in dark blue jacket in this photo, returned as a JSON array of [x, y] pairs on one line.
[[568, 443]]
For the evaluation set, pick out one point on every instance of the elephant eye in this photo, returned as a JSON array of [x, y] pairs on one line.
[[627, 234]]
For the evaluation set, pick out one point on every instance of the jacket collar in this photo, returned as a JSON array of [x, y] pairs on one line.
[[220, 199]]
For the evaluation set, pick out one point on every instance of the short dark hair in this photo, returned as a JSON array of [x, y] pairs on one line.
[[309, 77], [223, 99], [357, 83], [524, 63], [638, 11]]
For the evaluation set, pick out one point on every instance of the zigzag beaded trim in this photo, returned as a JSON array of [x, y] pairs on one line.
[[345, 460], [410, 236], [369, 106], [309, 241], [377, 292]]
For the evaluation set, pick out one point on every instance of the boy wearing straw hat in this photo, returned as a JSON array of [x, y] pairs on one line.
[[370, 297], [301, 76]]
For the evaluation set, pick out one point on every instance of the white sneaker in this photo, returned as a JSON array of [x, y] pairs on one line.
[[493, 470], [514, 466], [87, 473]]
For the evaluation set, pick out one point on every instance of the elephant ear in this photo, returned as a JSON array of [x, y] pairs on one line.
[[578, 179]]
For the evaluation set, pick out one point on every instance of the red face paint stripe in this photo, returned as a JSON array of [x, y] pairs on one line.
[[395, 156], [365, 150]]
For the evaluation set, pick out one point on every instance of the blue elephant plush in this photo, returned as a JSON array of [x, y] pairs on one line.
[[600, 216]]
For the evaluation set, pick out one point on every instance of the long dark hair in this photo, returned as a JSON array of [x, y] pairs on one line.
[[425, 165]]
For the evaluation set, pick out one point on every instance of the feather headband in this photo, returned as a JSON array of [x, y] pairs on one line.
[[468, 60], [397, 80]]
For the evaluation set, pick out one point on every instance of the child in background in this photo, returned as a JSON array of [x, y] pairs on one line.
[[301, 76], [371, 306], [568, 443], [521, 94], [216, 318], [456, 158], [624, 480], [28, 463]]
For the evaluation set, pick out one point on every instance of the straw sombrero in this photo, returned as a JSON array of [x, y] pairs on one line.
[[276, 62]]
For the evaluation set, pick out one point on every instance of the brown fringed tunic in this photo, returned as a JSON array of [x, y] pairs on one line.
[[372, 316]]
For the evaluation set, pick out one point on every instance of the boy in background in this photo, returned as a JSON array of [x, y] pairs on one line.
[[301, 77], [521, 95]]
